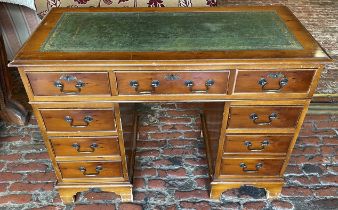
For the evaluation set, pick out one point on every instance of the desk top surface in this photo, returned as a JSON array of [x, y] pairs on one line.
[[224, 33], [178, 31]]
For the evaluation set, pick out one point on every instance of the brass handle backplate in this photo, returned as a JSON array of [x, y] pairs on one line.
[[98, 169], [154, 84], [254, 117], [92, 147], [264, 144], [190, 84], [244, 168], [69, 78], [87, 120], [283, 81]]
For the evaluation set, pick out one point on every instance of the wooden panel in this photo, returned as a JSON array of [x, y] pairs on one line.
[[43, 84], [296, 81], [55, 119], [257, 144], [267, 116], [85, 146], [90, 169], [129, 121], [269, 167], [172, 82], [212, 118]]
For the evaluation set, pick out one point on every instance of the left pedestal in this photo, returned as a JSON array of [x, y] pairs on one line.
[[88, 146]]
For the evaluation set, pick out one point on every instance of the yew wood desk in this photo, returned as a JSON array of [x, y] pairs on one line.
[[254, 70]]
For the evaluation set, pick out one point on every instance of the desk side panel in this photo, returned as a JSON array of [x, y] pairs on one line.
[[212, 118], [129, 121]]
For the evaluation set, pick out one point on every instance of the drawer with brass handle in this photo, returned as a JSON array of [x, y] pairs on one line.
[[264, 116], [90, 169], [177, 82], [85, 146], [61, 120], [69, 83], [257, 144], [274, 81], [251, 166]]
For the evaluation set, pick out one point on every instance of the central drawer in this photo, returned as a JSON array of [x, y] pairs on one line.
[[173, 82], [63, 120]]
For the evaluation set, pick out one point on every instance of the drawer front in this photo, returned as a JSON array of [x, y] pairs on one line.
[[257, 144], [69, 83], [85, 146], [90, 169], [252, 81], [264, 116], [251, 167], [78, 119], [136, 83]]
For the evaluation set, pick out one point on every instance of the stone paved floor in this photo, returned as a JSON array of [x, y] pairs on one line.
[[171, 170]]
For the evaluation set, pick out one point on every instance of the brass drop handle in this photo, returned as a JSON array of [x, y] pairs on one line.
[[244, 168], [254, 117], [69, 78], [87, 119], [154, 84], [190, 84], [98, 169], [92, 147], [282, 82], [264, 144]]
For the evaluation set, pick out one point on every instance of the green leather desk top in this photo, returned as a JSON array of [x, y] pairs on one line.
[[169, 31]]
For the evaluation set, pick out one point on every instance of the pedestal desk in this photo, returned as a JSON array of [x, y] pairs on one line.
[[253, 70]]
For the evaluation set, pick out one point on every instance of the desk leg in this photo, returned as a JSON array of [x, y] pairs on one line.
[[68, 191], [67, 195], [273, 188]]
